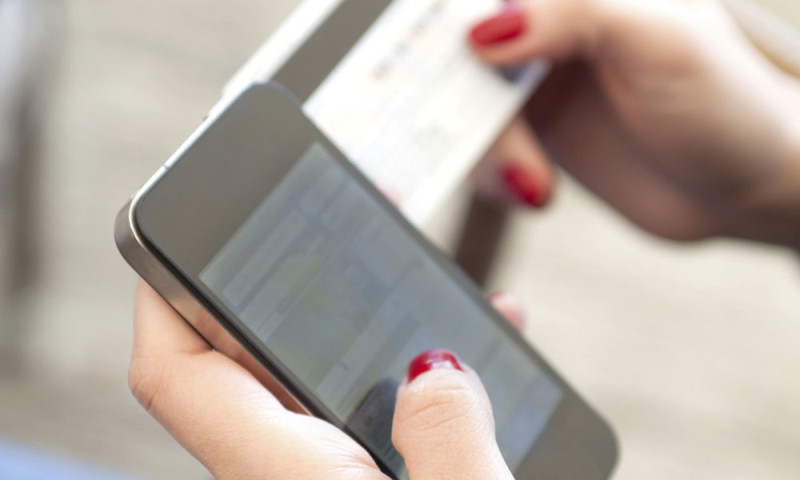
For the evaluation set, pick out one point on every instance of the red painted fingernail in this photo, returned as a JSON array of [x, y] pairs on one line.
[[510, 23], [524, 186], [433, 359]]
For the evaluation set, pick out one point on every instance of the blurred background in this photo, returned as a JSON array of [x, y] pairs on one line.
[[692, 352]]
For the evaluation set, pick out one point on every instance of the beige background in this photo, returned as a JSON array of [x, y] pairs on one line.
[[693, 353]]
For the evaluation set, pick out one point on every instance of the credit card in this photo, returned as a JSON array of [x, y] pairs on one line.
[[395, 86]]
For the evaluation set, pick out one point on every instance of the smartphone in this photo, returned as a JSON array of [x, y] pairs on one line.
[[395, 86], [285, 257]]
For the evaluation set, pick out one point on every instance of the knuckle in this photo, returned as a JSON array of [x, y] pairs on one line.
[[437, 408], [591, 14]]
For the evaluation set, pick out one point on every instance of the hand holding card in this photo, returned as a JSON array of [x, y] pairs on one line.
[[394, 85]]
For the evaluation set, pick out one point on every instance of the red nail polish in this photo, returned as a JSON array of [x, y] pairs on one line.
[[510, 23], [524, 186], [433, 359]]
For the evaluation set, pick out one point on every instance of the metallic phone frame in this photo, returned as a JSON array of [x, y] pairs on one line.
[[134, 248], [144, 262]]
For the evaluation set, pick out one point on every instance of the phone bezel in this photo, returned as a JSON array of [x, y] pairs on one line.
[[573, 432]]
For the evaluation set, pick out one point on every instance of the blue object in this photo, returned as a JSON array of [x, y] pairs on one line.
[[19, 462]]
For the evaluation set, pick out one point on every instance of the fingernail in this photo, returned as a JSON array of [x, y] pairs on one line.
[[524, 186], [433, 359], [510, 23]]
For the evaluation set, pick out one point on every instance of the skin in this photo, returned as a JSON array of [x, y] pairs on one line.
[[220, 413], [659, 107], [664, 110]]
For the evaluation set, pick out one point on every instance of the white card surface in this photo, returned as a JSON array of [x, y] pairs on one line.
[[409, 104]]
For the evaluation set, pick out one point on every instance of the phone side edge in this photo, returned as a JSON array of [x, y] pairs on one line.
[[136, 253]]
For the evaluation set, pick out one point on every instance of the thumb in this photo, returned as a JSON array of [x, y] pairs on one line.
[[552, 29], [443, 424]]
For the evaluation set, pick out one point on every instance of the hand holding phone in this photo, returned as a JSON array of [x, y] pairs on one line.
[[285, 258], [222, 414]]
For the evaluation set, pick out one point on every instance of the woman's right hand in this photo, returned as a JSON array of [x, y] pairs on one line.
[[443, 423], [660, 107]]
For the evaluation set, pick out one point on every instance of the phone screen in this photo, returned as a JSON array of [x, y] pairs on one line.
[[323, 279]]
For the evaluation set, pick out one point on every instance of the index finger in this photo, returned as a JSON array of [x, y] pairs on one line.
[[159, 329]]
